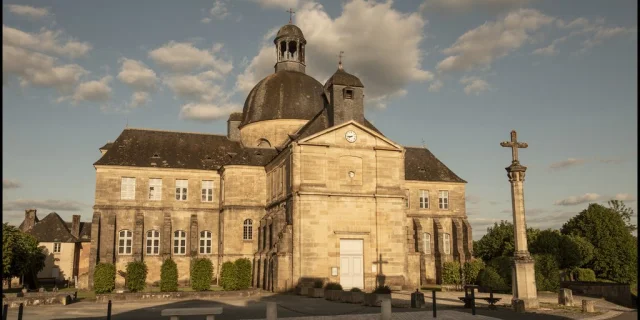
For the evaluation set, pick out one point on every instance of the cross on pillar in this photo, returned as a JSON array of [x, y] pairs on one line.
[[291, 12], [514, 145], [340, 60]]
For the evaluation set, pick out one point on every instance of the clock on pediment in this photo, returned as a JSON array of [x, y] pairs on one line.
[[351, 136]]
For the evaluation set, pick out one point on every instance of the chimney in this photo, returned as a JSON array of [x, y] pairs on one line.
[[30, 219], [75, 226]]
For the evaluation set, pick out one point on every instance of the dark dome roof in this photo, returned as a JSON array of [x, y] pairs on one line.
[[283, 95], [341, 77], [290, 30]]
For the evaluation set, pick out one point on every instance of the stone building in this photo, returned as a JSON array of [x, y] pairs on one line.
[[302, 185], [66, 246]]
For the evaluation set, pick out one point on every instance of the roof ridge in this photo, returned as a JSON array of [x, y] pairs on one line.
[[174, 131]]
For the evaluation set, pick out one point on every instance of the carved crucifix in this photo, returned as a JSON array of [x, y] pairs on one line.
[[514, 145], [291, 12]]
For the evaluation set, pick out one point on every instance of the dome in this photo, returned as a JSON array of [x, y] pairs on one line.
[[290, 31], [283, 95], [341, 77]]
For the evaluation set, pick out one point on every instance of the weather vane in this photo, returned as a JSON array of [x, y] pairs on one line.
[[291, 12]]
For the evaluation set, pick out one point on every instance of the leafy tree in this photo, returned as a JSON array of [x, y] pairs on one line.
[[499, 241], [21, 255], [169, 276], [451, 272], [471, 270], [136, 278], [625, 212], [615, 251], [547, 272], [547, 242], [575, 252], [503, 266], [490, 279]]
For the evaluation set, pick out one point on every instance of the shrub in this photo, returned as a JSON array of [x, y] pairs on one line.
[[490, 279], [229, 276], [471, 270], [104, 278], [333, 286], [547, 272], [451, 272], [382, 290], [585, 274], [201, 274], [169, 276], [502, 265], [243, 271], [136, 276], [355, 290], [318, 284]]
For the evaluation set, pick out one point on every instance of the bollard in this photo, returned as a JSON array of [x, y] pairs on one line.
[[272, 311], [385, 309], [109, 310], [20, 311], [473, 301], [433, 296], [5, 310]]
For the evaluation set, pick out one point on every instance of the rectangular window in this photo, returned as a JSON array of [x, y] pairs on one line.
[[153, 242], [446, 243], [181, 190], [57, 247], [348, 94], [128, 188], [207, 191], [155, 189], [443, 199], [424, 199], [179, 242], [426, 242], [407, 195]]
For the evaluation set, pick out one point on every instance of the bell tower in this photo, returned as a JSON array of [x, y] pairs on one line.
[[290, 45]]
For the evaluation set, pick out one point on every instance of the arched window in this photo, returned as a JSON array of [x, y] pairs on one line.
[[179, 242], [247, 233], [124, 241], [446, 243], [205, 242], [426, 242], [153, 242]]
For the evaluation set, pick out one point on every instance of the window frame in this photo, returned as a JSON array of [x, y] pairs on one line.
[[131, 185], [206, 192], [424, 200], [153, 183], [155, 236], [443, 202], [59, 245], [179, 242], [205, 243], [247, 229], [182, 191], [348, 94], [125, 242], [426, 242]]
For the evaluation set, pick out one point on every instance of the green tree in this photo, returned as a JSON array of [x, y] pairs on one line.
[[451, 272], [21, 255], [625, 212], [547, 272], [499, 241], [471, 270], [615, 251], [575, 252]]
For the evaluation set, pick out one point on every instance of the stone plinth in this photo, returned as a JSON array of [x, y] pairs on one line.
[[565, 297], [588, 306], [524, 281]]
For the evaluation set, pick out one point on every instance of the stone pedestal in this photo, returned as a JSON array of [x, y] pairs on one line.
[[588, 306], [565, 297], [524, 281]]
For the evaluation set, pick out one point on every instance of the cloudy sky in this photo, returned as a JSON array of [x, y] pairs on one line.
[[454, 75]]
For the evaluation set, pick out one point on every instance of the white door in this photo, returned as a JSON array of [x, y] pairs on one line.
[[351, 266]]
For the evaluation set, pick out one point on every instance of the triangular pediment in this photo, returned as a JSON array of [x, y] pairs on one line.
[[343, 135]]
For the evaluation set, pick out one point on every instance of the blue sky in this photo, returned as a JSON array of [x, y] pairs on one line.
[[456, 76]]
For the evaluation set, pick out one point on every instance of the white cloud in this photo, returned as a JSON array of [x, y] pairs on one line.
[[435, 86], [284, 4], [205, 20], [47, 41], [219, 10], [571, 162], [550, 50], [53, 205], [28, 11], [194, 87], [479, 47], [624, 197], [95, 90], [594, 32], [10, 184], [139, 98], [137, 75], [207, 112], [368, 34], [474, 85], [184, 57], [466, 5], [574, 200]]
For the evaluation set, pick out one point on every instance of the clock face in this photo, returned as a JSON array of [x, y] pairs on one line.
[[350, 136]]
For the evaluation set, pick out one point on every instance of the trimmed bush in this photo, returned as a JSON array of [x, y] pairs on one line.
[[243, 270], [451, 273], [318, 284], [502, 265], [201, 274], [169, 276], [229, 276], [104, 278], [382, 290], [136, 276], [333, 286], [471, 271], [490, 279], [547, 272], [582, 274], [355, 290]]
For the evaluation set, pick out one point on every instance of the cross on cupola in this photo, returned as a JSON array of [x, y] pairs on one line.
[[291, 12]]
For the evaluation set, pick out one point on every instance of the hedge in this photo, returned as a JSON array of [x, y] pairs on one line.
[[382, 290], [228, 276], [104, 278], [582, 274], [169, 276], [333, 286], [547, 272], [490, 279], [201, 274], [136, 276], [243, 272], [471, 271], [451, 273]]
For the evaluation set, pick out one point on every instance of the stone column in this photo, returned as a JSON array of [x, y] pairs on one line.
[[94, 251]]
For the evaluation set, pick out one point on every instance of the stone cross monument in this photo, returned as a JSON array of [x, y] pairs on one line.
[[523, 273]]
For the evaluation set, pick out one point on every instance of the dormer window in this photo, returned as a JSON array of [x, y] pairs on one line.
[[348, 94]]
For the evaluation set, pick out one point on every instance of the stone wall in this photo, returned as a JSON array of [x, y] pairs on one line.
[[275, 131], [615, 292], [174, 295]]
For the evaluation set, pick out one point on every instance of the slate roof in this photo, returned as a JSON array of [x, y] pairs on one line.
[[420, 164], [344, 78], [180, 150], [236, 116], [289, 30], [321, 122], [53, 229], [85, 231], [106, 146]]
